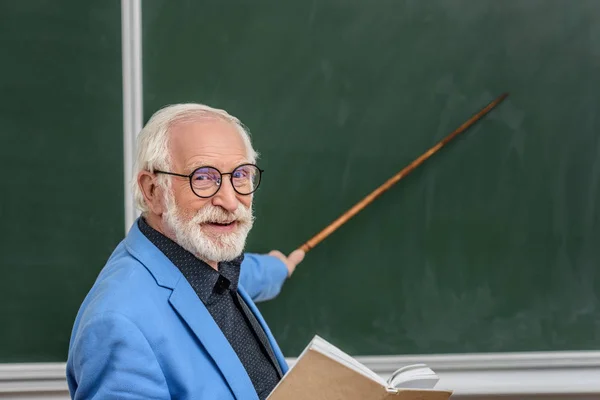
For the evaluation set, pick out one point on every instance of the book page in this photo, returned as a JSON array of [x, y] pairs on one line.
[[414, 376], [322, 346]]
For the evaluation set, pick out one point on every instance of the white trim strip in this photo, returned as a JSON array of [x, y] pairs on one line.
[[131, 41], [531, 373], [45, 380], [509, 374]]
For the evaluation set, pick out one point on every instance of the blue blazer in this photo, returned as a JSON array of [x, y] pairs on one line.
[[143, 333]]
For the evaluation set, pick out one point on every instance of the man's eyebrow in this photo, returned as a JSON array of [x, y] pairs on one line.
[[192, 165]]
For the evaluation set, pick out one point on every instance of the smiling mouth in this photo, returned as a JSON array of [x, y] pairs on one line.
[[221, 223]]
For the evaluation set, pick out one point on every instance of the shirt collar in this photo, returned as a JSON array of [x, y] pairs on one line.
[[201, 276]]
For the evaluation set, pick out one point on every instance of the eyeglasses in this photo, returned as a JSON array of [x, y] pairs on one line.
[[206, 181]]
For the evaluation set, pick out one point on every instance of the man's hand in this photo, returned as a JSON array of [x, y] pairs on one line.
[[290, 261]]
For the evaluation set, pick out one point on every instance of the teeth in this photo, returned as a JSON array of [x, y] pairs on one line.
[[220, 222]]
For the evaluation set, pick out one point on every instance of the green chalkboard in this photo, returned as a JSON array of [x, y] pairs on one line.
[[61, 157], [493, 244]]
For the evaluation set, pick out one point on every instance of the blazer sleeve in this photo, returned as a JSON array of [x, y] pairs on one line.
[[262, 276], [111, 359]]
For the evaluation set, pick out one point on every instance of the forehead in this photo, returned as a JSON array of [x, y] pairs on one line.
[[206, 140]]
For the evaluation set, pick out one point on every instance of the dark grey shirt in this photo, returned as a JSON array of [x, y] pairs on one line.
[[218, 291]]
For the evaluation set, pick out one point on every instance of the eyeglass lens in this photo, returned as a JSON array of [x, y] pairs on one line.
[[207, 180]]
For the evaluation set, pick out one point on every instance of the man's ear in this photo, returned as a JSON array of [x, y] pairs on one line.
[[153, 195]]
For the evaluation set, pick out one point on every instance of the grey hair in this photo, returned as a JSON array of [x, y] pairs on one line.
[[153, 141]]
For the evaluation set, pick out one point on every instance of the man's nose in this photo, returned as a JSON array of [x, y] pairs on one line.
[[226, 197]]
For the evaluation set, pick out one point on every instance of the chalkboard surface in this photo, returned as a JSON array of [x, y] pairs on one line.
[[61, 158], [493, 244]]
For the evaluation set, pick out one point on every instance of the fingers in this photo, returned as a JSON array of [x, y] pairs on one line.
[[278, 254], [290, 261], [296, 256], [293, 260]]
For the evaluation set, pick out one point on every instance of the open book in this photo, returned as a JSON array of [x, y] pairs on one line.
[[324, 372]]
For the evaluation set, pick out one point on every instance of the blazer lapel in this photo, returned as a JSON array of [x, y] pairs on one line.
[[185, 301], [278, 354]]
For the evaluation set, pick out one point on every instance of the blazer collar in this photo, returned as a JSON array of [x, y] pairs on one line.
[[162, 269]]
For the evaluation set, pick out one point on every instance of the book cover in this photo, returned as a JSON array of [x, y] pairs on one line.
[[323, 372]]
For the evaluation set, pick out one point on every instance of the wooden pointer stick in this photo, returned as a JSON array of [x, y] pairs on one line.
[[394, 179]]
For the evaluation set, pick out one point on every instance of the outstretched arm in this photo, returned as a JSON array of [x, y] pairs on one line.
[[263, 275]]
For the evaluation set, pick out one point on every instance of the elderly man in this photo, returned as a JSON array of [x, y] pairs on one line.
[[172, 313]]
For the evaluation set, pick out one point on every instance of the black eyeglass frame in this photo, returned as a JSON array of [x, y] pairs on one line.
[[191, 175]]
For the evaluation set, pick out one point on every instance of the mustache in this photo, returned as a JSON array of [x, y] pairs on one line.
[[214, 214]]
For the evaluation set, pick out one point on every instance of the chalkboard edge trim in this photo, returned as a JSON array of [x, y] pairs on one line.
[[535, 373]]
